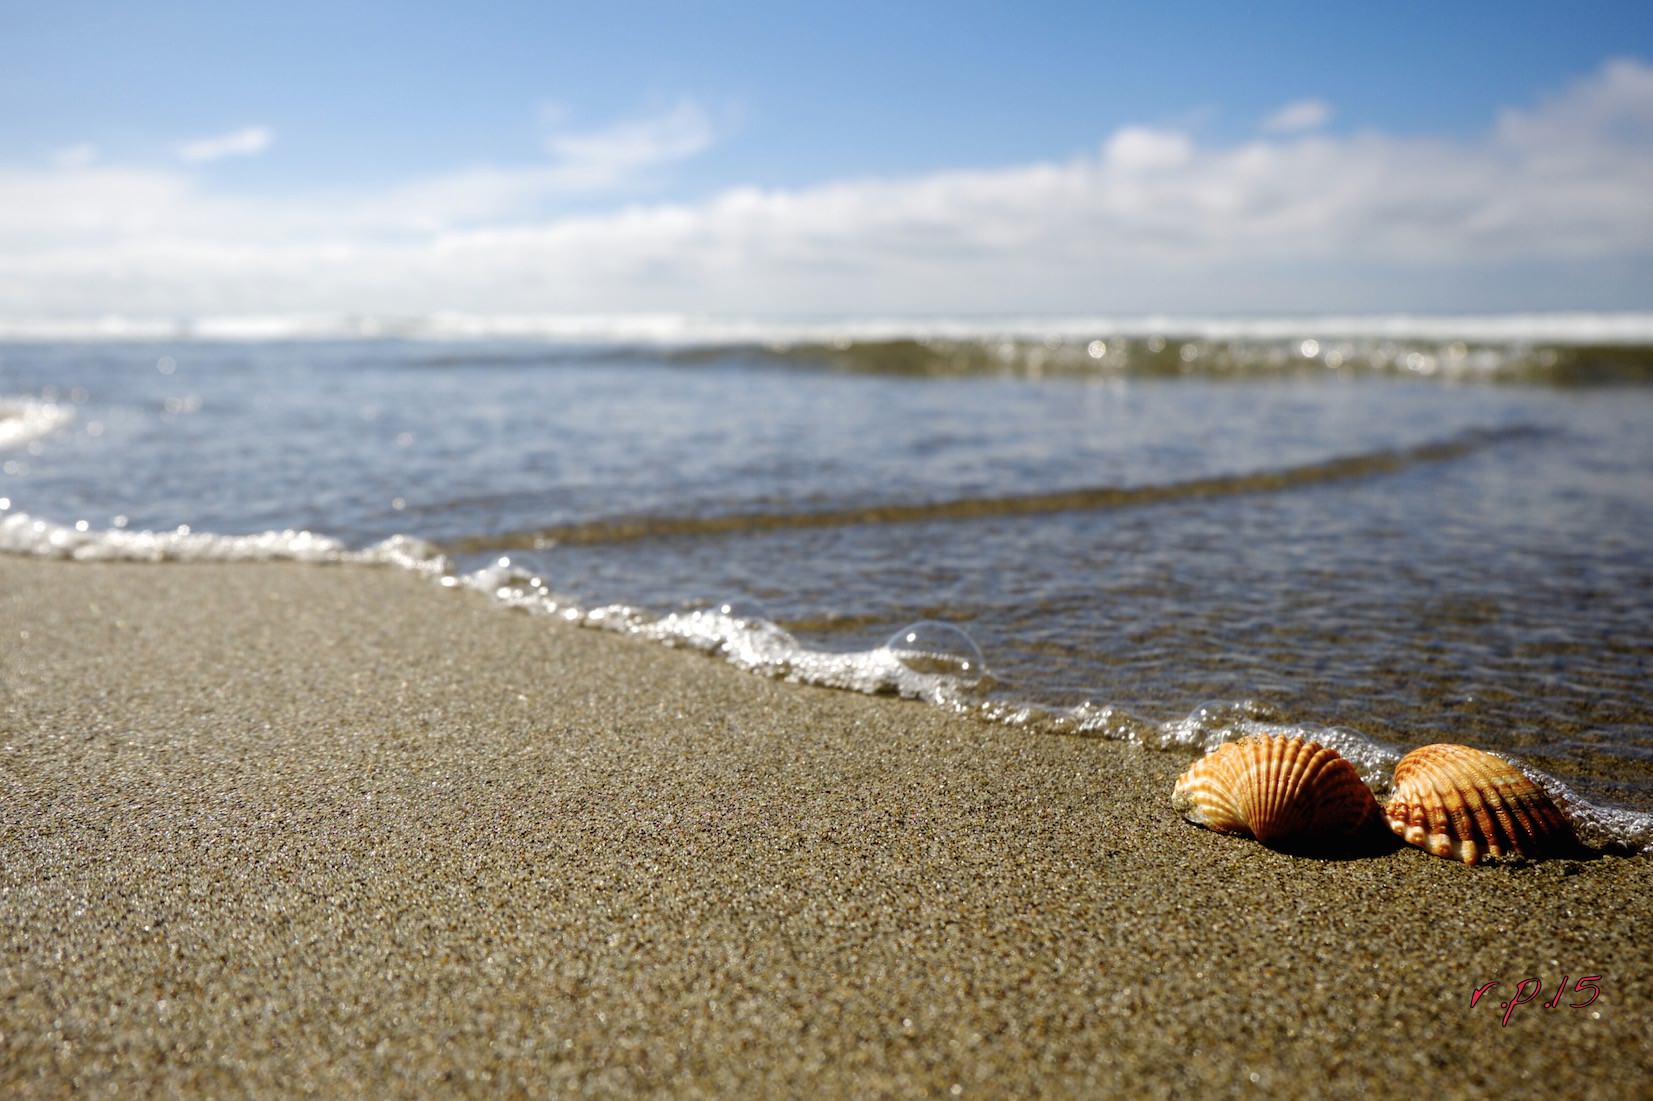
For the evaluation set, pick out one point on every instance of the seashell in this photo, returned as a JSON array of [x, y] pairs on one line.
[[1467, 805], [1285, 792]]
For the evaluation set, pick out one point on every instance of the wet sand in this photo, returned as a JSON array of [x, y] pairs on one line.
[[270, 830]]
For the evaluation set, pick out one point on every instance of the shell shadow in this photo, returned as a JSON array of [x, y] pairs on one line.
[[1373, 840]]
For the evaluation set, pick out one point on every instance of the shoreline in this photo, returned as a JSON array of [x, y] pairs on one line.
[[273, 828]]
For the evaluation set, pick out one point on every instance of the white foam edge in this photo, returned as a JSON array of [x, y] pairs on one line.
[[23, 534], [759, 646], [752, 644]]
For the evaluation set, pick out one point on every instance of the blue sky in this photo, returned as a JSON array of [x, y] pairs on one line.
[[167, 158]]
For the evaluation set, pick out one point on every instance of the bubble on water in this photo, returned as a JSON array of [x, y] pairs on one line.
[[1216, 714], [933, 648], [1093, 720], [1217, 721]]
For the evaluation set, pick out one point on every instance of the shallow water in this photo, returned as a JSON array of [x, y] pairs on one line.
[[1407, 558]]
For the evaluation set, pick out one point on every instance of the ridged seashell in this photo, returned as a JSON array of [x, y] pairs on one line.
[[1467, 805], [1285, 792]]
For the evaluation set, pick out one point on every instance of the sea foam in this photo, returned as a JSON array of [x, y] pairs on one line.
[[934, 662], [23, 534]]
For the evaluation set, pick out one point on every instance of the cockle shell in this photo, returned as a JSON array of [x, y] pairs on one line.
[[1467, 805], [1285, 792]]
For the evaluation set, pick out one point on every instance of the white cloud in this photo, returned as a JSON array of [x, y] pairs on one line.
[[603, 157], [247, 142], [1297, 116], [607, 159], [1139, 148], [1550, 198]]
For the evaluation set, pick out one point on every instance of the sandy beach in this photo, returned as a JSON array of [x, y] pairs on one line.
[[277, 830]]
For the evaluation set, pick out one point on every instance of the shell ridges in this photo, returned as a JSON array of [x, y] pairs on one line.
[[1283, 791], [1468, 805]]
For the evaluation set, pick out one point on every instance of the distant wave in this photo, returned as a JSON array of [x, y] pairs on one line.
[[1197, 357], [1529, 347]]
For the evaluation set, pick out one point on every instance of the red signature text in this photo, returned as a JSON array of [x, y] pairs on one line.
[[1528, 990]]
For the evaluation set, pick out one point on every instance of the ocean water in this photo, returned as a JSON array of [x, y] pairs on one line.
[[1382, 532]]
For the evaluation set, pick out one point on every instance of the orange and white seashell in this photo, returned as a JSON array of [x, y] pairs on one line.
[[1467, 805], [1285, 792]]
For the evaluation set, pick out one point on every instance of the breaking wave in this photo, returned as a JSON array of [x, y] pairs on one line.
[[1559, 348]]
